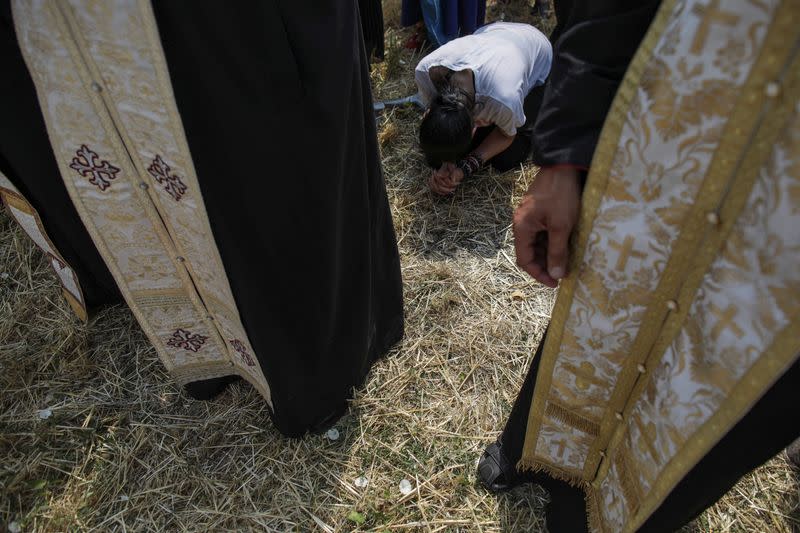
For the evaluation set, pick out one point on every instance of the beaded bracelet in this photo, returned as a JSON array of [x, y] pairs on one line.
[[470, 164]]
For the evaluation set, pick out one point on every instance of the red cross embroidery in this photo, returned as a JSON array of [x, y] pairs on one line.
[[186, 340], [86, 164], [242, 351], [163, 175]]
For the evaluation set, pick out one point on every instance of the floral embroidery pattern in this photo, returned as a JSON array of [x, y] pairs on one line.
[[163, 175], [86, 164], [242, 351], [186, 340]]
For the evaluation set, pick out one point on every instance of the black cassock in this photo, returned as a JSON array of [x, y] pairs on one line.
[[276, 104], [593, 43]]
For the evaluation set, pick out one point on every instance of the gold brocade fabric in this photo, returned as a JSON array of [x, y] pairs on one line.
[[31, 223], [684, 302], [107, 101]]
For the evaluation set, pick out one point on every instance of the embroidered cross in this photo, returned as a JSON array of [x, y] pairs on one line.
[[163, 175], [725, 321], [186, 340], [562, 445], [709, 14], [86, 164], [626, 251], [242, 351], [585, 375]]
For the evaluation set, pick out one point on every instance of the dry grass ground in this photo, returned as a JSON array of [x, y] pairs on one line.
[[126, 449]]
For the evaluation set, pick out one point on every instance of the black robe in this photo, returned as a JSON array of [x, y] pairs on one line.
[[371, 12], [593, 43], [276, 104]]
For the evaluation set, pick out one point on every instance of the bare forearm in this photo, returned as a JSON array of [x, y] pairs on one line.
[[495, 143]]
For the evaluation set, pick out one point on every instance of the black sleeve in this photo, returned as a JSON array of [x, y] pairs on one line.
[[593, 44]]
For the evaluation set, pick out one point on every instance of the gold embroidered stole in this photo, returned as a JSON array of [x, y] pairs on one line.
[[107, 101], [684, 303], [31, 223]]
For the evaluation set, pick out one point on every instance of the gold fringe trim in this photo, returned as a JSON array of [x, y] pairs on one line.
[[565, 416], [573, 479], [161, 298]]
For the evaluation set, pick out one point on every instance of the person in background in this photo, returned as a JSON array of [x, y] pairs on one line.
[[444, 20], [481, 101]]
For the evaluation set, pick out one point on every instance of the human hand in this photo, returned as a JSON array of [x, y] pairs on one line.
[[445, 180], [543, 222]]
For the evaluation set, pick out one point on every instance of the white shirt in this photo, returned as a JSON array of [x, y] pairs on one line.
[[508, 60]]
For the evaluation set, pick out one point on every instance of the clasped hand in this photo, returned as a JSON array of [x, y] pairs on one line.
[[445, 180]]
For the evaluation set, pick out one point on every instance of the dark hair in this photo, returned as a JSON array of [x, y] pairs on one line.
[[446, 130]]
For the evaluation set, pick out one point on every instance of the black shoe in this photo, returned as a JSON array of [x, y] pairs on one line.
[[566, 511], [208, 389], [496, 473]]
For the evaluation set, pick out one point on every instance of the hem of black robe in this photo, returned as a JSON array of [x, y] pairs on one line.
[[378, 351], [208, 389]]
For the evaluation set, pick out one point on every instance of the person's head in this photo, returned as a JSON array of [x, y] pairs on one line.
[[446, 129]]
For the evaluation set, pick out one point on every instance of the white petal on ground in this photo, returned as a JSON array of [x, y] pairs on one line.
[[332, 434], [44, 414], [13, 527], [406, 488], [361, 482]]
